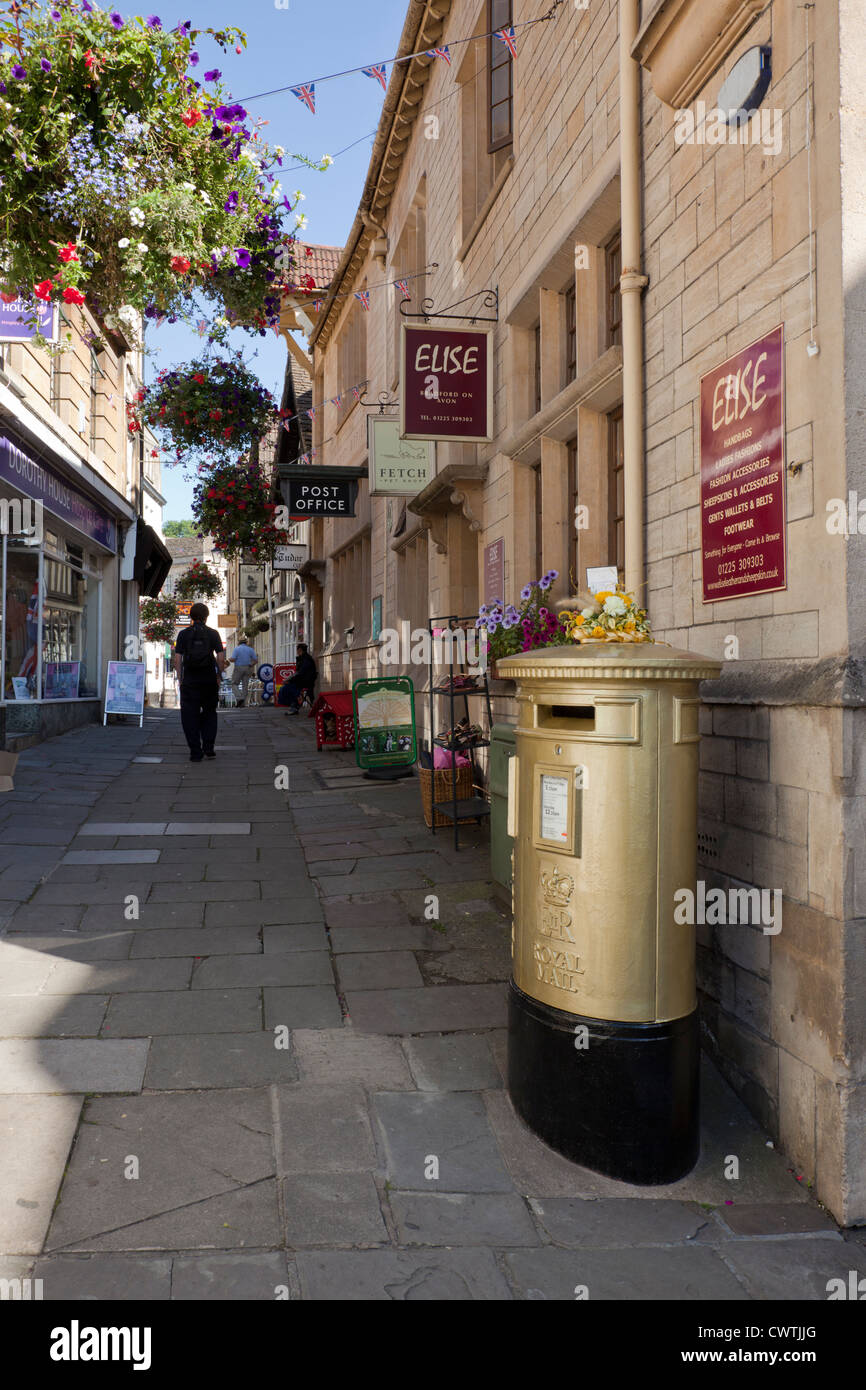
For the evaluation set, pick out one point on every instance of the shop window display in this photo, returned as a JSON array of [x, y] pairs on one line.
[[70, 623]]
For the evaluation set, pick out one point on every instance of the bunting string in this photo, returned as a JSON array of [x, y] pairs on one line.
[[306, 91], [287, 416]]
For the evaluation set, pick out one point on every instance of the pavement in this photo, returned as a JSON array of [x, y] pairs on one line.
[[252, 1046]]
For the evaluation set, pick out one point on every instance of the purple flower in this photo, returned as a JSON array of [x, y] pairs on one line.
[[55, 14], [230, 113], [154, 21], [86, 7], [213, 76], [19, 72], [242, 257], [193, 60], [116, 19], [231, 202], [45, 65]]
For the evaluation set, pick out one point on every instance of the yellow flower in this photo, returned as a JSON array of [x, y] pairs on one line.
[[606, 593], [630, 627], [579, 620], [598, 631]]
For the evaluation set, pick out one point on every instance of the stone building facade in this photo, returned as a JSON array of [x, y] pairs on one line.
[[564, 181]]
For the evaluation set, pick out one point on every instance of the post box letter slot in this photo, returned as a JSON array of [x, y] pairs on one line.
[[569, 718]]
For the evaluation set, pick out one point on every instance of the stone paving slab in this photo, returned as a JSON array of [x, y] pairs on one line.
[[72, 1065], [794, 1269], [323, 1130], [301, 936], [218, 1061], [401, 1276], [333, 1056], [235, 1220], [392, 937], [455, 1062], [70, 945], [110, 856], [453, 1130], [271, 913], [621, 1221], [197, 942], [679, 1274], [290, 968], [150, 916], [116, 976], [190, 1147], [378, 970], [439, 1010], [187, 1011], [54, 1016], [36, 1134], [333, 1209], [230, 1278], [463, 1219], [104, 1278]]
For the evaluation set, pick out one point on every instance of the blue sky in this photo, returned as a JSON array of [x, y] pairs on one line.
[[309, 39]]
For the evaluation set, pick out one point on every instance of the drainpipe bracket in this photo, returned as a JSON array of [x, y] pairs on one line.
[[632, 282]]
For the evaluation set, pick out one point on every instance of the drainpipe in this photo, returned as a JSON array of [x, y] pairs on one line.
[[632, 283]]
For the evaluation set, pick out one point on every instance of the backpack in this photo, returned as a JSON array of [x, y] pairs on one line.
[[198, 658]]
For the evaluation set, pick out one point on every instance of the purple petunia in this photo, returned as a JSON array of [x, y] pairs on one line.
[[45, 65], [230, 113], [242, 257], [231, 202], [19, 72], [213, 76], [154, 21], [86, 7], [116, 19], [55, 14], [193, 60]]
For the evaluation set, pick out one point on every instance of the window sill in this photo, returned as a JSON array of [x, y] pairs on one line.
[[498, 185]]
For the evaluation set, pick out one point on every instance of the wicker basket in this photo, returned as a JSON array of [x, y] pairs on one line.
[[439, 786]]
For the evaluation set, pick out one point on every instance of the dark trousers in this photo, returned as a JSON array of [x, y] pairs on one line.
[[291, 692], [198, 716]]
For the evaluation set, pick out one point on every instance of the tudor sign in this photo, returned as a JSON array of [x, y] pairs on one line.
[[447, 384]]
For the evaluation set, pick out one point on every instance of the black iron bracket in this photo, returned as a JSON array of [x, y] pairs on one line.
[[384, 402], [489, 300]]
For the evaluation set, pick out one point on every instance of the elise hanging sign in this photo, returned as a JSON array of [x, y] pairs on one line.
[[446, 390], [743, 472]]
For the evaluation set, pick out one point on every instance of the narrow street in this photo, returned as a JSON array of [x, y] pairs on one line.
[[238, 1062]]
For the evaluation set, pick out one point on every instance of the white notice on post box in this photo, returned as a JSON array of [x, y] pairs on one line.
[[554, 809]]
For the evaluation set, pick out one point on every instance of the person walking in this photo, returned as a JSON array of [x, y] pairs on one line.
[[199, 660], [303, 679], [244, 660]]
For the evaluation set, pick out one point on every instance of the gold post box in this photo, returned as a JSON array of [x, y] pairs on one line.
[[603, 1030]]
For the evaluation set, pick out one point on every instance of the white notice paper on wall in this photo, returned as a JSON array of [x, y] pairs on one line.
[[554, 809]]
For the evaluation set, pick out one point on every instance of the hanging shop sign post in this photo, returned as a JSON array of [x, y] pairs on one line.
[[743, 472], [385, 739], [124, 690], [398, 467], [290, 557], [446, 389]]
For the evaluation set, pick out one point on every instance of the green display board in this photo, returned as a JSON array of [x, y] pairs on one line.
[[385, 722]]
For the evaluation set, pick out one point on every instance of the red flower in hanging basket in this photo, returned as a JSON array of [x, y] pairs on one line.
[[43, 289], [191, 117], [180, 264], [199, 377]]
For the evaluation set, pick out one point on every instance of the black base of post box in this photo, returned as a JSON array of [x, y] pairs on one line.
[[624, 1102]]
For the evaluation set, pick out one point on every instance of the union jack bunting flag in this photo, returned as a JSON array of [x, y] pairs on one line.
[[307, 94], [338, 401], [377, 71], [364, 296], [403, 287], [443, 52], [312, 413], [317, 305], [356, 392], [508, 38], [201, 327]]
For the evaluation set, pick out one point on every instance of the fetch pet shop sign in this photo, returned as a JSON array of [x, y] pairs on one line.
[[446, 389], [398, 467]]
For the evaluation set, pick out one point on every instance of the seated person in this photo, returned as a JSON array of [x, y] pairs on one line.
[[303, 679]]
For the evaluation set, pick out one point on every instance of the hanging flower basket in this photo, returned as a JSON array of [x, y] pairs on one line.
[[232, 505], [199, 581], [158, 618], [127, 183], [212, 406]]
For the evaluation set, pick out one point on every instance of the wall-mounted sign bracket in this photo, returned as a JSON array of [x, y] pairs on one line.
[[489, 300]]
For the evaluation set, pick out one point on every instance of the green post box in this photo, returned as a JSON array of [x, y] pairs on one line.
[[502, 749]]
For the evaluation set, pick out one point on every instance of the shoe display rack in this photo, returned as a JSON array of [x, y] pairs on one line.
[[464, 696]]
